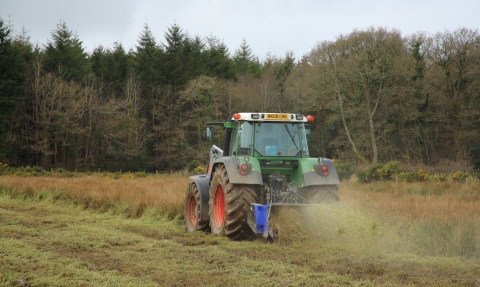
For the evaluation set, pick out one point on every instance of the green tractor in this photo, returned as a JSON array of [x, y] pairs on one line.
[[264, 165]]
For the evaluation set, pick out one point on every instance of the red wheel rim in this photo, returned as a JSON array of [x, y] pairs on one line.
[[192, 214], [219, 206]]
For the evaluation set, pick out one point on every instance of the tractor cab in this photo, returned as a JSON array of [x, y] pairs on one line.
[[269, 139]]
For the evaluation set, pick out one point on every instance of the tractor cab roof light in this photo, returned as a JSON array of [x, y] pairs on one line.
[[255, 116], [299, 117], [310, 119], [237, 116]]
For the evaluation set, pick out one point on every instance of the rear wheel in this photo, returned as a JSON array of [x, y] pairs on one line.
[[228, 206], [323, 194], [193, 220]]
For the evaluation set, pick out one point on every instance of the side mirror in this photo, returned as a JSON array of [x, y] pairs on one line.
[[308, 131], [210, 133]]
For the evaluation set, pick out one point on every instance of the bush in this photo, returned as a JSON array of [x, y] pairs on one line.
[[389, 170], [384, 172], [423, 175], [442, 177], [369, 174], [361, 175], [60, 172], [199, 169], [192, 165], [460, 176], [408, 176], [412, 176], [27, 171], [140, 174], [346, 170]]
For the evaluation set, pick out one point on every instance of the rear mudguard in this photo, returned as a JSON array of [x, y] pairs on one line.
[[312, 175], [203, 184]]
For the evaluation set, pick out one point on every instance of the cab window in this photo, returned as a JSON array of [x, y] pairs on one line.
[[241, 143]]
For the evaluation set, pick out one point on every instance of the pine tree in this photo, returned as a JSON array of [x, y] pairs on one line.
[[65, 56], [175, 65], [245, 61], [217, 60], [147, 59], [13, 69], [111, 66]]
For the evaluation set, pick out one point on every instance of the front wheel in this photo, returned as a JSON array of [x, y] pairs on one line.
[[193, 220]]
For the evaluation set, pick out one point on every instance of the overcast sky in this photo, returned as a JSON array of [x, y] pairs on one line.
[[275, 26]]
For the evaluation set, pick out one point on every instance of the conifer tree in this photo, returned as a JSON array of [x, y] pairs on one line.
[[245, 61], [65, 56], [12, 79], [175, 60], [147, 59], [217, 60], [111, 66]]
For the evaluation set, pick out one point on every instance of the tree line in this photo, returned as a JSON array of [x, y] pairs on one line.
[[377, 96]]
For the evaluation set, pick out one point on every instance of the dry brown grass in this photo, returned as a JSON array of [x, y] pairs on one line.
[[164, 193], [431, 218], [414, 202]]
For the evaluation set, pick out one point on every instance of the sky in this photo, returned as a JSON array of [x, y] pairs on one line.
[[272, 27]]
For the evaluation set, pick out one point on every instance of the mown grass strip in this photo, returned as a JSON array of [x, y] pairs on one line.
[[50, 243]]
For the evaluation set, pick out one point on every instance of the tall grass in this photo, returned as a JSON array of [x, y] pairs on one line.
[[131, 196], [430, 218]]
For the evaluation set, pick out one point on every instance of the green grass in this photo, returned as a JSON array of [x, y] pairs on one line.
[[47, 241]]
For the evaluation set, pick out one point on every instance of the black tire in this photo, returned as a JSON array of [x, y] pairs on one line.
[[323, 194], [228, 206], [193, 206]]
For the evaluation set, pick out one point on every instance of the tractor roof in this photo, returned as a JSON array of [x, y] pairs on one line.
[[274, 117]]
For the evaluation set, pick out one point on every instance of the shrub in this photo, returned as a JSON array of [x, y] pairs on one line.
[[346, 170], [408, 176], [389, 170], [460, 176], [199, 169], [27, 171], [140, 174], [369, 174], [412, 176], [60, 172], [192, 165], [423, 175], [128, 175], [442, 177]]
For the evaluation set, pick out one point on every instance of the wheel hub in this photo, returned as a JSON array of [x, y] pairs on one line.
[[192, 211], [219, 206]]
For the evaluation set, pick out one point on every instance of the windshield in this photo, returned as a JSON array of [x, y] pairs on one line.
[[280, 139]]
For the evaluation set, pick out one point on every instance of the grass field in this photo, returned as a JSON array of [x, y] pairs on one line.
[[95, 231]]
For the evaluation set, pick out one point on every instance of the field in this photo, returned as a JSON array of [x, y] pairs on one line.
[[98, 231]]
